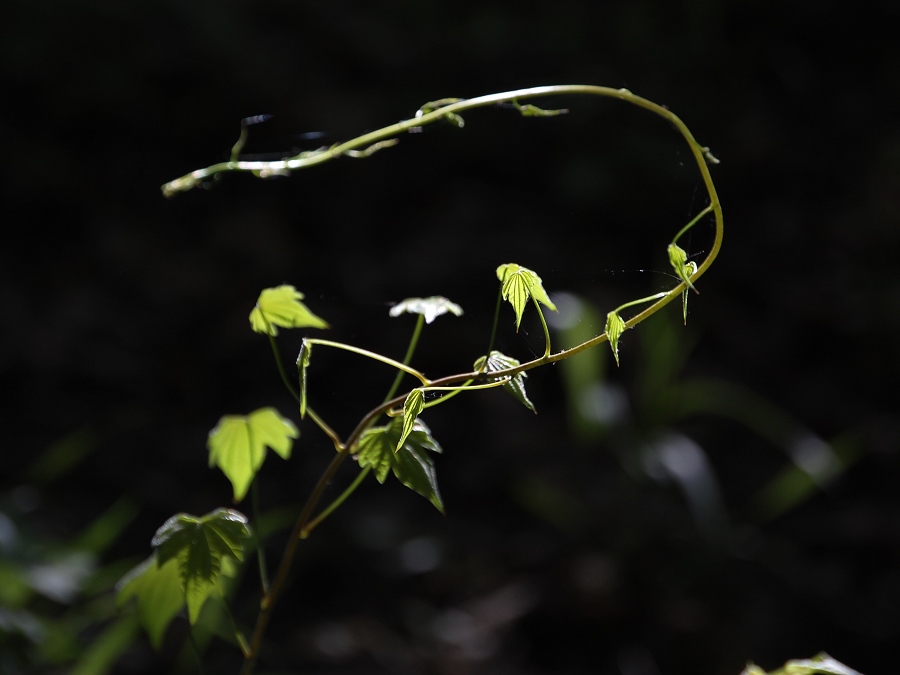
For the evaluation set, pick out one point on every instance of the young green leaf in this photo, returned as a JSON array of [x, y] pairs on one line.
[[515, 385], [200, 546], [411, 464], [238, 443], [412, 408], [615, 326], [281, 306], [430, 308], [159, 595], [518, 284], [302, 365], [678, 260]]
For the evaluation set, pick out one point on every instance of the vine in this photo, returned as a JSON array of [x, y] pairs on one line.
[[196, 558]]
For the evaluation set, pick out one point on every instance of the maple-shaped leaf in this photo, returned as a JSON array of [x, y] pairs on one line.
[[201, 547], [411, 464], [238, 444], [159, 595], [431, 308], [615, 326], [518, 285], [515, 385], [281, 306]]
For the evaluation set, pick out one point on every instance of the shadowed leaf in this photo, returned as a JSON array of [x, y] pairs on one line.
[[158, 591], [199, 546]]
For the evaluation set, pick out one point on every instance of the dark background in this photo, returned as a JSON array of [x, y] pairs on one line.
[[652, 519]]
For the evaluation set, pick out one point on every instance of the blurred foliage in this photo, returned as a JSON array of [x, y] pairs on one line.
[[56, 611]]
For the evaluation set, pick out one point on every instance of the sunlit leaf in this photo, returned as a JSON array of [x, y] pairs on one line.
[[515, 385], [412, 407], [200, 546], [615, 326], [678, 260], [411, 464], [518, 285], [281, 306], [238, 444], [159, 595], [302, 365], [430, 308]]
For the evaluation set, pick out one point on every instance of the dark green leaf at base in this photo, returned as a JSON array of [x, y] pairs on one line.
[[411, 463]]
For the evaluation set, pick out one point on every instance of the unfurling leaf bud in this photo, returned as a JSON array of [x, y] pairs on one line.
[[615, 326]]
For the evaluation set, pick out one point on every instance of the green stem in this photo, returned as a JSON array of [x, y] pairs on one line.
[[537, 306], [238, 635], [410, 350], [687, 227], [327, 511], [331, 433], [239, 145], [267, 604], [309, 411], [496, 323], [453, 392], [641, 301], [372, 355], [260, 551], [281, 371]]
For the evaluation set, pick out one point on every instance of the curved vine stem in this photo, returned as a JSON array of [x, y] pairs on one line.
[[372, 355], [331, 433], [365, 145]]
